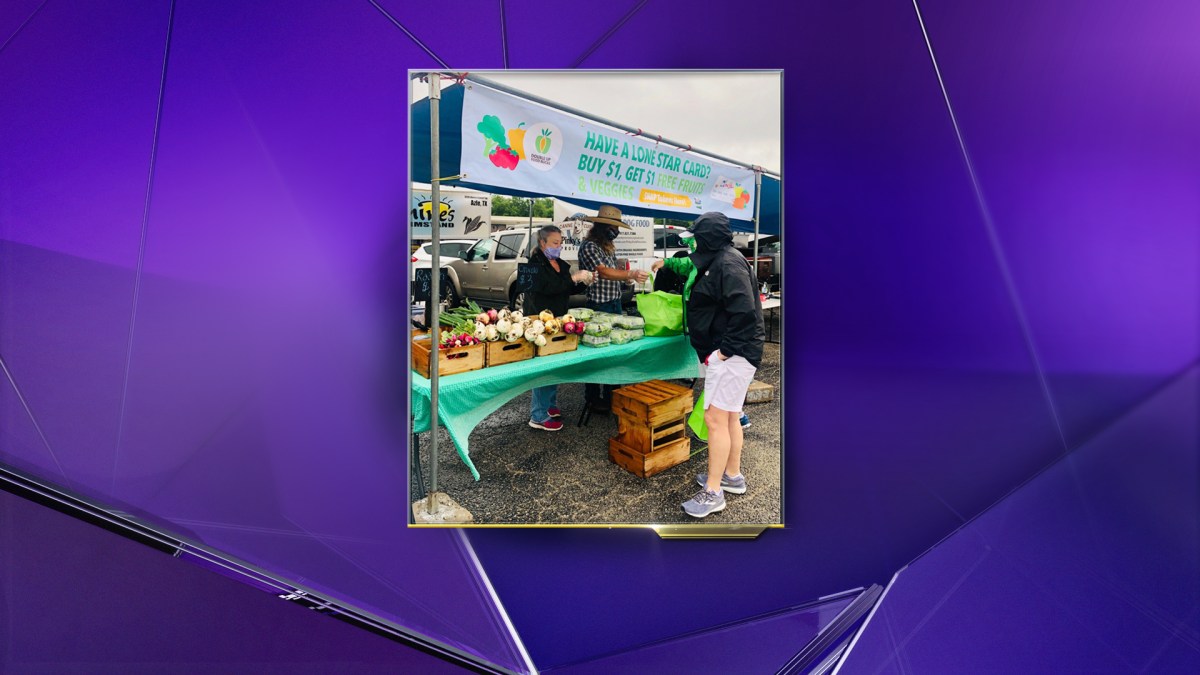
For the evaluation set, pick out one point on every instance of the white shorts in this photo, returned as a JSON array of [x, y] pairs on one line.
[[726, 383]]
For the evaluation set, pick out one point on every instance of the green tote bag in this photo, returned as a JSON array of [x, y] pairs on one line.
[[696, 420], [663, 313]]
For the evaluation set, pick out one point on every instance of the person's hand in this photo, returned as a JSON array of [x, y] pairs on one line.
[[656, 266], [640, 275], [582, 277]]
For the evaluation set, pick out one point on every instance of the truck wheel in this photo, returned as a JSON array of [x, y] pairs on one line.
[[516, 301]]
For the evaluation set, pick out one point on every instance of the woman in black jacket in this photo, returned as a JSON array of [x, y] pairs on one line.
[[552, 288]]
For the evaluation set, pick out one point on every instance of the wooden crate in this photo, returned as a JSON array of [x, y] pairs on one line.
[[501, 352], [647, 439], [558, 344], [652, 403], [649, 464], [450, 361]]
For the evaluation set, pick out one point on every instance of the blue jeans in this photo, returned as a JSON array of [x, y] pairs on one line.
[[544, 398], [595, 392]]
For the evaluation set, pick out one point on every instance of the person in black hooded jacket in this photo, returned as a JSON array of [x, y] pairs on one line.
[[725, 324]]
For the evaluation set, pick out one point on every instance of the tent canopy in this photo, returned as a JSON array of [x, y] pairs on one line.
[[450, 117]]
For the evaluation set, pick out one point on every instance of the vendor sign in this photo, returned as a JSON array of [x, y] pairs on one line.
[[511, 142], [636, 241], [462, 214]]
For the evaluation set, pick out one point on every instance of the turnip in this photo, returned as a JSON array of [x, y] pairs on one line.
[[483, 318], [493, 315], [546, 315], [503, 325], [516, 316], [538, 327], [531, 335], [567, 318], [480, 330], [512, 335], [540, 341], [493, 333]]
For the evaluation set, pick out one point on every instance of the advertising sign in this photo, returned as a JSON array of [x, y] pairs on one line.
[[463, 214], [511, 142]]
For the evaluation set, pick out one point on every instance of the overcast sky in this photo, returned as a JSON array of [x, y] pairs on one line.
[[735, 114]]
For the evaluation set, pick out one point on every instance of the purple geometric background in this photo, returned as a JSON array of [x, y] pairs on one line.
[[189, 318]]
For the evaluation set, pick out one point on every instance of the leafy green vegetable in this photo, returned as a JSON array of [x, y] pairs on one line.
[[491, 128]]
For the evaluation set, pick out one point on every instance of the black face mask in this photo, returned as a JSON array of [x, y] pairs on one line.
[[612, 233]]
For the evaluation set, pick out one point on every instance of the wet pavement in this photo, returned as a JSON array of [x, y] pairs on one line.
[[529, 476]]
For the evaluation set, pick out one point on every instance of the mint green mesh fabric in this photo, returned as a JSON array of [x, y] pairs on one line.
[[466, 398]]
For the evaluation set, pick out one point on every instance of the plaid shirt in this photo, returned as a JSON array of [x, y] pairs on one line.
[[601, 290]]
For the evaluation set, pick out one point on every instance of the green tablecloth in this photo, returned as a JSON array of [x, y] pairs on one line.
[[466, 398]]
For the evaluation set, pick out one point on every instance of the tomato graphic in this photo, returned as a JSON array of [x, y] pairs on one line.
[[505, 158]]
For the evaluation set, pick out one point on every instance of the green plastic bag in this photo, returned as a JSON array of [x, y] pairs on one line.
[[663, 313], [696, 420]]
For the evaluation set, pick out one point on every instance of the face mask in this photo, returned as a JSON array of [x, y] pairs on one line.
[[612, 233], [553, 253]]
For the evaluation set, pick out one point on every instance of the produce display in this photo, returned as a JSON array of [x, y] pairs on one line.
[[597, 328], [624, 321], [620, 336], [581, 313], [461, 327], [470, 325], [595, 340]]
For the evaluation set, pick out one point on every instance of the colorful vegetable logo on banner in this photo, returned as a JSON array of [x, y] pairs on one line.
[[510, 142]]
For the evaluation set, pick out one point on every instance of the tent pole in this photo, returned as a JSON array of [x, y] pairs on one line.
[[435, 297], [757, 204]]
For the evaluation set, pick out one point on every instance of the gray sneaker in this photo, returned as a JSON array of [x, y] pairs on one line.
[[704, 503], [735, 486]]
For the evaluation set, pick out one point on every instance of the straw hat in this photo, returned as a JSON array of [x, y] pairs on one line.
[[609, 215]]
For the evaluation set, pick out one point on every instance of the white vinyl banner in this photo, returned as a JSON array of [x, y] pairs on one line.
[[511, 142]]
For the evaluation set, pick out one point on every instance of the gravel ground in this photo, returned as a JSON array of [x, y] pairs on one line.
[[530, 476]]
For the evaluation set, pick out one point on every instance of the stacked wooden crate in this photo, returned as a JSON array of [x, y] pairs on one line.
[[651, 427]]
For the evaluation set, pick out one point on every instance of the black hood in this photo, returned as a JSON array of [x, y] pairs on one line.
[[712, 234]]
